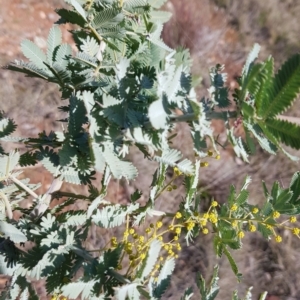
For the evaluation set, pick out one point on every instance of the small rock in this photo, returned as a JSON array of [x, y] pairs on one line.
[[42, 15]]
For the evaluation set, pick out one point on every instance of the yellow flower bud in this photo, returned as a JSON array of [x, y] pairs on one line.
[[177, 171], [159, 224], [278, 238], [252, 228], [204, 164], [255, 210], [210, 153], [293, 219], [276, 214], [241, 234], [178, 215], [205, 231], [234, 207], [214, 204]]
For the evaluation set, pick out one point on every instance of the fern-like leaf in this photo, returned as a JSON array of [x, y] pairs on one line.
[[151, 258], [118, 167], [53, 41], [28, 159], [30, 69], [7, 126], [78, 8], [107, 18], [284, 89], [34, 53], [62, 54], [262, 94], [69, 16], [74, 289], [250, 60], [211, 292], [286, 132]]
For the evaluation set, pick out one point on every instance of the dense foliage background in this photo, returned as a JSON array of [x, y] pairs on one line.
[[215, 31]]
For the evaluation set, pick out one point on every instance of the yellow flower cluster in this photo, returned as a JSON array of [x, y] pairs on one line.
[[276, 214], [58, 297], [234, 207]]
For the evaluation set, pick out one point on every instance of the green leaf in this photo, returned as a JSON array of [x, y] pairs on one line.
[[284, 89], [160, 288], [151, 259], [157, 3], [250, 142], [54, 40], [250, 60], [264, 230], [267, 80], [8, 163], [118, 167], [242, 197], [210, 292], [77, 7], [30, 69], [286, 132], [107, 18], [7, 126], [113, 215], [295, 188], [73, 289], [34, 54], [266, 192], [63, 52], [11, 232], [69, 16], [251, 82], [28, 159], [258, 133], [232, 264], [263, 296]]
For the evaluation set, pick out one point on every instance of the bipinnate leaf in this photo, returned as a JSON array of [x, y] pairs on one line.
[[295, 188], [62, 53], [232, 263], [128, 291], [157, 115], [157, 3], [113, 215], [210, 292], [158, 288], [34, 53], [107, 18], [266, 78], [77, 7], [258, 133], [284, 89], [7, 126], [53, 41], [188, 294], [118, 167], [72, 290], [166, 270], [286, 132], [69, 16], [251, 58], [30, 69], [151, 259], [8, 163], [11, 232]]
